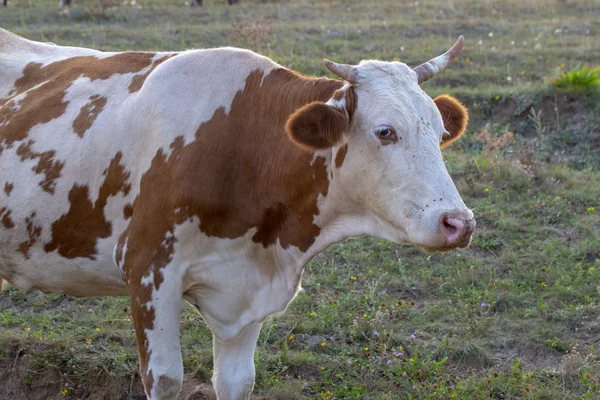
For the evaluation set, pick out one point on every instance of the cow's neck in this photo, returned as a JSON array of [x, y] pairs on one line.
[[296, 181], [339, 218], [326, 216]]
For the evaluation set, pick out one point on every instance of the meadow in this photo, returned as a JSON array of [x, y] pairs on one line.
[[514, 316]]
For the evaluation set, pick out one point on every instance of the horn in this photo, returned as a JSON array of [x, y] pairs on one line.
[[431, 68], [344, 71]]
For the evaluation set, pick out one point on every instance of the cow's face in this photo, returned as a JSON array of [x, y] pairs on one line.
[[393, 166], [393, 134]]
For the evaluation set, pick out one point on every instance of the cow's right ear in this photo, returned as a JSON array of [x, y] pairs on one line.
[[317, 126]]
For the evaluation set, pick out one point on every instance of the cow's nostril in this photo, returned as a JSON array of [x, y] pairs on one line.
[[448, 226], [452, 228], [450, 231], [456, 231]]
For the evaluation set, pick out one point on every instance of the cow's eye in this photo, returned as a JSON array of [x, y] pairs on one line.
[[386, 133]]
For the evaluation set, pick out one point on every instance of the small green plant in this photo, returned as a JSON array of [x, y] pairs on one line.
[[536, 118], [578, 78]]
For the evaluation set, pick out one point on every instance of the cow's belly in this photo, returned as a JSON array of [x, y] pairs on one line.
[[55, 274], [60, 241], [61, 212], [45, 245]]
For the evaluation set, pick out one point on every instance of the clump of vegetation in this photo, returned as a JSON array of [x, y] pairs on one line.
[[582, 78], [493, 144]]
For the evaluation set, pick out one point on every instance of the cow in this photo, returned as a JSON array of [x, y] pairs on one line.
[[211, 176]]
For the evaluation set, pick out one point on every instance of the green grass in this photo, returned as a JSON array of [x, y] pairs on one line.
[[582, 78], [516, 315]]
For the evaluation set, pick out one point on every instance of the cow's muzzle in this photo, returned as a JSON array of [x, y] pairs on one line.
[[456, 230]]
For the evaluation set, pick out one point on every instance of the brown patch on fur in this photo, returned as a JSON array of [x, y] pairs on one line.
[[138, 80], [46, 165], [33, 233], [6, 221], [270, 225], [127, 211], [455, 117], [341, 155], [8, 187], [75, 234], [46, 102], [88, 114]]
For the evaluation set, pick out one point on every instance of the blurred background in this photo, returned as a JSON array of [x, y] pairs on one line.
[[514, 316]]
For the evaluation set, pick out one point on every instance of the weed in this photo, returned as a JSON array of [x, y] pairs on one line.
[[536, 118], [582, 78], [493, 144]]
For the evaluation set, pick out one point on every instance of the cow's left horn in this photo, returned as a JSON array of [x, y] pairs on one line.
[[344, 71], [432, 67]]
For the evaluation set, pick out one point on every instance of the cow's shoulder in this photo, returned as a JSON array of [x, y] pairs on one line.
[[211, 70], [224, 59]]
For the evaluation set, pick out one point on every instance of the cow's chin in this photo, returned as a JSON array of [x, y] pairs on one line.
[[431, 243], [427, 246]]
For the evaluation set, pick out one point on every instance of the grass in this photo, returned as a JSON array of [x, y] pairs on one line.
[[582, 78], [516, 315]]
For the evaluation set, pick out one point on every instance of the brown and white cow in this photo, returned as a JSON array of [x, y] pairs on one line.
[[211, 176]]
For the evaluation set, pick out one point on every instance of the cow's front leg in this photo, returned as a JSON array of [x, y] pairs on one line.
[[156, 307], [233, 376]]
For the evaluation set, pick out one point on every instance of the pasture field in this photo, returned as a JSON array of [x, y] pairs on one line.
[[515, 316]]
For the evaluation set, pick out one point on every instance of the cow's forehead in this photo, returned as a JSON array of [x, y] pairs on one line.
[[393, 92], [393, 72]]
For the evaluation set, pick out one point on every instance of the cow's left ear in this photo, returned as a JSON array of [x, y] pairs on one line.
[[317, 126], [455, 117]]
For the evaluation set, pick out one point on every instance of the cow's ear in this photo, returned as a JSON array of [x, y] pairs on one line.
[[317, 126], [455, 117]]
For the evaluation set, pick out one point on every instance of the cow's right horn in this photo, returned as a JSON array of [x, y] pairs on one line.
[[432, 67]]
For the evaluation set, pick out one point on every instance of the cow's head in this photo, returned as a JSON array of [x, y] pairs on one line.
[[392, 134]]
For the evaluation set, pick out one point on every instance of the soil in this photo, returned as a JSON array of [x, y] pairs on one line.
[[49, 383], [561, 107]]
